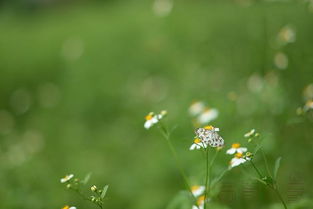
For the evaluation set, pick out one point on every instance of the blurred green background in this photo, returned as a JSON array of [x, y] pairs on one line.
[[77, 79]]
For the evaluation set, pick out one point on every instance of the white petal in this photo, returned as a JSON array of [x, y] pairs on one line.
[[148, 124], [236, 161], [242, 149], [231, 151], [192, 147]]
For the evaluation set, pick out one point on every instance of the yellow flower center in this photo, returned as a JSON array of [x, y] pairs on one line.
[[200, 200], [194, 188], [149, 117], [238, 155], [208, 127], [236, 145], [66, 207], [197, 140]]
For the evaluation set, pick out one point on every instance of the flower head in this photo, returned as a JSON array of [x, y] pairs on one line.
[[93, 188], [152, 118], [287, 35], [207, 115], [250, 133], [66, 178], [197, 190], [197, 144], [237, 160], [68, 207], [200, 203], [235, 148], [196, 108]]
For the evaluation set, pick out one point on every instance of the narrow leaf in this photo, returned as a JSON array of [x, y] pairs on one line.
[[104, 191], [276, 167], [86, 179]]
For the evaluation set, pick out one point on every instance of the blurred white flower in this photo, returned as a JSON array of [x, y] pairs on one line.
[[207, 116], [287, 35], [197, 144], [235, 148], [152, 118], [196, 108], [281, 60], [66, 178], [238, 159], [250, 133], [162, 7]]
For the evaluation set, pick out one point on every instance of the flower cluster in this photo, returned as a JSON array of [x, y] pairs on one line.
[[203, 115], [152, 118], [251, 135], [198, 193], [76, 184], [285, 36]]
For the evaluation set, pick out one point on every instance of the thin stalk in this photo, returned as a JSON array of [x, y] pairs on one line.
[[206, 176], [166, 136], [256, 169], [280, 197], [210, 169]]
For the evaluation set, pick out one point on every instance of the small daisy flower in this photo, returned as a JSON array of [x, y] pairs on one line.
[[197, 190], [196, 108], [68, 207], [200, 203], [197, 144], [207, 116], [239, 159], [235, 148], [250, 133], [66, 178], [152, 118], [281, 60], [211, 128], [287, 35]]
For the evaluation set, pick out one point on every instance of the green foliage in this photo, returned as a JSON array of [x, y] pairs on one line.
[[76, 83]]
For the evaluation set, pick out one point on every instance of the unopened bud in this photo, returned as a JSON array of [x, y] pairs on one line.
[[93, 188]]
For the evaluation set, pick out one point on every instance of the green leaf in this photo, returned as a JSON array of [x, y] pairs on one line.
[[276, 167], [86, 179], [104, 191]]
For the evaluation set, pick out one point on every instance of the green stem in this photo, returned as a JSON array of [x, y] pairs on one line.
[[206, 177], [256, 169], [280, 197], [166, 135]]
